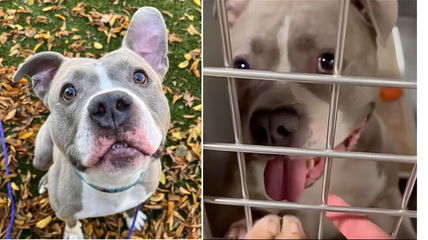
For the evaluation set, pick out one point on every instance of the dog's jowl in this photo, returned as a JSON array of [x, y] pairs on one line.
[[107, 124]]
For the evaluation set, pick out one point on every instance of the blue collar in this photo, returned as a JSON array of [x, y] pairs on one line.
[[108, 190]]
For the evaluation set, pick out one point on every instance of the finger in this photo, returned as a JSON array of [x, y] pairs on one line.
[[353, 226]]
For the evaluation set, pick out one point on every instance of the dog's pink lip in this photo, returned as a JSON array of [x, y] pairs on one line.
[[287, 177], [122, 152], [127, 151], [118, 146]]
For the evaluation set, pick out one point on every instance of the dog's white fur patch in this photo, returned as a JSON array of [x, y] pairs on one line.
[[283, 35], [105, 82], [97, 204], [73, 232], [139, 222]]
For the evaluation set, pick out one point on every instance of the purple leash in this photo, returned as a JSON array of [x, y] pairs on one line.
[[131, 229], [9, 190]]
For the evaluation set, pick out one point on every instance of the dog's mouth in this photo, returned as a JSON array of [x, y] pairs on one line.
[[122, 155], [286, 177]]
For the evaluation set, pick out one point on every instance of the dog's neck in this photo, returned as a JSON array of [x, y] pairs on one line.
[[100, 180]]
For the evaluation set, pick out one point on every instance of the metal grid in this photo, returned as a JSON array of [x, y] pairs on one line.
[[335, 80]]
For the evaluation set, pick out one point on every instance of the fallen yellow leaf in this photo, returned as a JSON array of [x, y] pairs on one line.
[[197, 107], [14, 186], [44, 222], [162, 178], [183, 64], [38, 45], [60, 17], [7, 86], [197, 73], [195, 64], [190, 17], [98, 45], [192, 30], [175, 98], [47, 9], [197, 2], [183, 191], [187, 56], [112, 20], [177, 135], [25, 135]]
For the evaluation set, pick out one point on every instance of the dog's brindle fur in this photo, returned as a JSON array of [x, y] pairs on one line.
[[70, 138], [289, 36]]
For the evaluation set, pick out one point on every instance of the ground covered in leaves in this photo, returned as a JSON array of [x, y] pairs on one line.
[[90, 29]]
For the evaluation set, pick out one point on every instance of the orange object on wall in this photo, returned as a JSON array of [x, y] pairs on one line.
[[390, 94]]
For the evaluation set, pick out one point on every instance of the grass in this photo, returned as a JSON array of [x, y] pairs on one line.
[[181, 84]]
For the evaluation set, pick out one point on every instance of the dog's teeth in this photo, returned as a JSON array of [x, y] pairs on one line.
[[310, 164], [119, 145]]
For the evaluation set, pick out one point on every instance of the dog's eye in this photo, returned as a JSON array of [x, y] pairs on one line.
[[326, 63], [140, 77], [69, 92], [241, 64]]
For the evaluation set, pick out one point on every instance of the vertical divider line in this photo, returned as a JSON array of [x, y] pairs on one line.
[[233, 99], [332, 115], [406, 197]]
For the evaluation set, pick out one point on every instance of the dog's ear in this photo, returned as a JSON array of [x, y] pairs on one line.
[[41, 68], [234, 10], [383, 15], [147, 36]]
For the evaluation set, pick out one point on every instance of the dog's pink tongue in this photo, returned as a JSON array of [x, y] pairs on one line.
[[285, 179]]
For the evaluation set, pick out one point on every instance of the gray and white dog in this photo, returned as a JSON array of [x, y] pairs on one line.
[[300, 36], [107, 124]]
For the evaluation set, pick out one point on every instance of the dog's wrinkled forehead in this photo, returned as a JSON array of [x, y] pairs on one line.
[[113, 70], [266, 31]]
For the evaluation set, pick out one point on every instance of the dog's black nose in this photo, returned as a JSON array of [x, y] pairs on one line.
[[110, 110], [274, 127]]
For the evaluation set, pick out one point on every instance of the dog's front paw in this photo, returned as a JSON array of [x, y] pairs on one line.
[[43, 184], [266, 228], [73, 232], [139, 222], [237, 230], [291, 228]]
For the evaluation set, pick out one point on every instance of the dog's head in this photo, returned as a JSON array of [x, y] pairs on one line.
[[300, 36], [110, 113]]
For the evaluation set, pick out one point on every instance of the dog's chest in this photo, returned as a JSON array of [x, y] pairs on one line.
[[96, 203]]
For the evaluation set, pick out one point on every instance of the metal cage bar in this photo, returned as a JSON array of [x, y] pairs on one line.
[[275, 150], [332, 115], [236, 121], [406, 197], [298, 206], [250, 75]]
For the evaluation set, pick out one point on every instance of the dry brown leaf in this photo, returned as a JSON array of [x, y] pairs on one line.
[[10, 115], [173, 38]]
